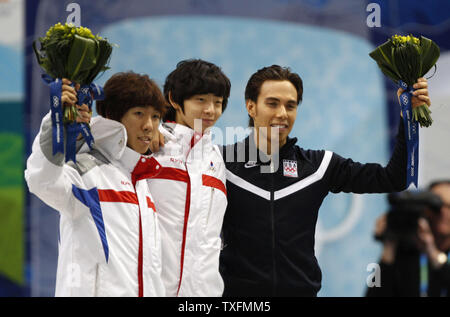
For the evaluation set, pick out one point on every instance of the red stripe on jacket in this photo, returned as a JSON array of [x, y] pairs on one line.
[[109, 195], [211, 181], [170, 173], [112, 196]]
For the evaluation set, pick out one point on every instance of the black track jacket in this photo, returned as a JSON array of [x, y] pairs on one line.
[[269, 225]]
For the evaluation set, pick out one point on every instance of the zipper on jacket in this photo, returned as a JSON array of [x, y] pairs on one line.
[[209, 209], [272, 214], [140, 259], [187, 207], [185, 225], [140, 268]]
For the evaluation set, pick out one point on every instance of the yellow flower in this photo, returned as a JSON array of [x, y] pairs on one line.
[[398, 39], [85, 32]]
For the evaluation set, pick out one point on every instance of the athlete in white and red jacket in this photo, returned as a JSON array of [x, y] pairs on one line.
[[109, 233], [191, 194], [191, 198], [189, 191]]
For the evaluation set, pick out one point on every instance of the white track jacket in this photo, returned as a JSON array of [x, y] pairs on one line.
[[190, 197], [110, 241]]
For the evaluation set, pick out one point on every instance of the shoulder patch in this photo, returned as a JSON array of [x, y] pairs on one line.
[[87, 161]]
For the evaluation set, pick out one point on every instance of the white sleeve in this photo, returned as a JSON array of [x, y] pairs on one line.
[[46, 174]]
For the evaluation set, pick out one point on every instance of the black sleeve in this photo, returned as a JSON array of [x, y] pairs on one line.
[[345, 175]]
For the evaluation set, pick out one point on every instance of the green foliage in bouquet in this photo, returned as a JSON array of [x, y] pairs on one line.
[[408, 58], [73, 53]]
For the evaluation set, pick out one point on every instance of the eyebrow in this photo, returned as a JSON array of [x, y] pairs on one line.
[[276, 99]]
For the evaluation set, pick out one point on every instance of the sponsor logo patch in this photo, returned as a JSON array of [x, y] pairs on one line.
[[251, 164], [290, 168]]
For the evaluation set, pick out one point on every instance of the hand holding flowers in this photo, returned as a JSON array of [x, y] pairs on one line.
[[420, 94], [405, 59], [69, 99], [76, 54]]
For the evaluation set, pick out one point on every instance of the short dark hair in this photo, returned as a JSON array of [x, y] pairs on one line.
[[274, 72], [195, 77], [126, 90]]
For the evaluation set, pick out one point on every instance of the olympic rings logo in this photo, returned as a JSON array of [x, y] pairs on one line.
[[55, 102], [405, 99], [290, 169]]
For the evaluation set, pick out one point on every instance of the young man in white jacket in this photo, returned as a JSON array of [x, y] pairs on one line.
[[192, 212], [109, 233], [189, 191]]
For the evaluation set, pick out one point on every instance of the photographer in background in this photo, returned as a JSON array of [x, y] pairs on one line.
[[416, 242]]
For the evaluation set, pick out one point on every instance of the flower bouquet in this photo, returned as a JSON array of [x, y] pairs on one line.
[[406, 59], [76, 54]]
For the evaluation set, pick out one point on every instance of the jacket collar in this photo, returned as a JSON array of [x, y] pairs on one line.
[[263, 159], [184, 135], [111, 141]]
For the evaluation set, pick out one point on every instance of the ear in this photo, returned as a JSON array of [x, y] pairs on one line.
[[173, 103], [251, 108]]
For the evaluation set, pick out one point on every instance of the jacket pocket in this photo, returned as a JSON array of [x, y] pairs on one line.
[[211, 199], [156, 254]]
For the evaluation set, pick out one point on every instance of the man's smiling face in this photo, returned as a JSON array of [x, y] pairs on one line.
[[276, 107], [139, 123]]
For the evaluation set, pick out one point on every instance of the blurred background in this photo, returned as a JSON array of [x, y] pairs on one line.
[[348, 106]]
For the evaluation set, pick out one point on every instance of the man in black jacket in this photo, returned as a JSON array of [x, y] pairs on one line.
[[275, 190], [416, 263]]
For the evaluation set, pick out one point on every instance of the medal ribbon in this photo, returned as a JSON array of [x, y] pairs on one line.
[[86, 94], [411, 135]]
